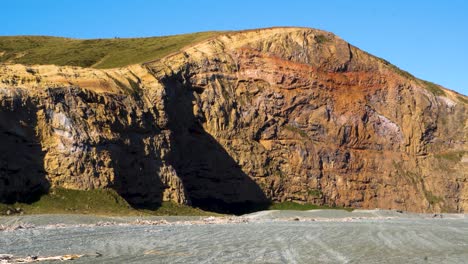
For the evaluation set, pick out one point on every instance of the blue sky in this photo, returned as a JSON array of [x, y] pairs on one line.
[[427, 38]]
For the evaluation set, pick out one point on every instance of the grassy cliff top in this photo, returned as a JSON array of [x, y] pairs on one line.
[[96, 53]]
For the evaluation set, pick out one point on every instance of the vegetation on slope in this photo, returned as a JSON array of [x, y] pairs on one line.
[[108, 202], [454, 156], [120, 52], [97, 53], [96, 202], [430, 86]]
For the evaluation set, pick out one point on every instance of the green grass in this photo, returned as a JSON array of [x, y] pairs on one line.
[[315, 193], [302, 207], [454, 156], [96, 202], [320, 39], [97, 53], [430, 86], [417, 180], [431, 198], [108, 202], [395, 68], [120, 52], [412, 177], [434, 88], [171, 208], [462, 99]]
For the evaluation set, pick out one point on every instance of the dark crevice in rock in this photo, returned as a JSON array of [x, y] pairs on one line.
[[22, 174], [212, 178]]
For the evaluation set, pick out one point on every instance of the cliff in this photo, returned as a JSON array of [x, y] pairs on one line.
[[240, 119]]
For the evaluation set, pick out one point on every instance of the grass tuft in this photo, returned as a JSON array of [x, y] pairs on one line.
[[434, 88], [315, 193], [431, 198], [296, 130], [401, 72], [454, 156], [462, 99], [320, 39]]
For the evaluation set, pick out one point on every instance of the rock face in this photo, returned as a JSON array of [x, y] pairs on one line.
[[281, 114]]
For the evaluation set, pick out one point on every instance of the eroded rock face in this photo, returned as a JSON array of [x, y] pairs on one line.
[[275, 114]]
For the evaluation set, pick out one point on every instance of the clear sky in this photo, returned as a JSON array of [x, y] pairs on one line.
[[427, 38]]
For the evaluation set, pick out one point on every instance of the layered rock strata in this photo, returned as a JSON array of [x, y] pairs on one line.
[[281, 114]]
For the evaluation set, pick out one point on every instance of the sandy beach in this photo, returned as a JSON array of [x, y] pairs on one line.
[[319, 236]]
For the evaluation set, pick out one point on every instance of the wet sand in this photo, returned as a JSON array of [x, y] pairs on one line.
[[320, 236]]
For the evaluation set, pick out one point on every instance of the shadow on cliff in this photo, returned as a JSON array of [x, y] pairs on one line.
[[22, 174], [212, 178], [135, 161], [135, 173]]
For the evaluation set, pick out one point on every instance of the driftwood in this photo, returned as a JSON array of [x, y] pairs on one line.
[[15, 227], [8, 258]]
